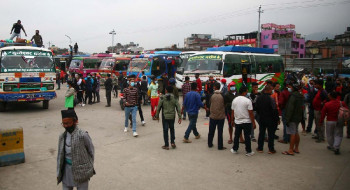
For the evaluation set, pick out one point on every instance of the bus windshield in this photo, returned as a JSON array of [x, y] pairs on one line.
[[207, 62], [139, 64], [75, 63], [26, 62], [107, 63]]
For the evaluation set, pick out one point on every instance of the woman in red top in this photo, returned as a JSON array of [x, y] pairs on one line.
[[334, 128]]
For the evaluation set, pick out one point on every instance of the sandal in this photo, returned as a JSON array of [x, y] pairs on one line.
[[296, 152], [272, 152], [260, 151], [229, 141], [165, 147], [287, 153], [173, 145]]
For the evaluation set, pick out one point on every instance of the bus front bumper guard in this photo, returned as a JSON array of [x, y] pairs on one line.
[[27, 97]]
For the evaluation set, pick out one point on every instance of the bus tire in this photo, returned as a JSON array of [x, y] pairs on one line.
[[46, 104], [2, 106]]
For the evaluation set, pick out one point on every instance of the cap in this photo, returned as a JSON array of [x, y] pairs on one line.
[[69, 114], [232, 84], [223, 81]]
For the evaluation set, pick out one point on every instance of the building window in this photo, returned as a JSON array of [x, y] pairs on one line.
[[266, 36], [265, 46], [301, 55], [301, 46], [275, 46]]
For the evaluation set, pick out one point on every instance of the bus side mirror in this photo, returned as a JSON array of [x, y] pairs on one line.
[[181, 70]]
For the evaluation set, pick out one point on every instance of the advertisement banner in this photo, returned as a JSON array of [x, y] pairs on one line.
[[205, 57]]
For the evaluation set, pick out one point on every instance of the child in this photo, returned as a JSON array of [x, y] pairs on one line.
[[168, 103], [69, 96]]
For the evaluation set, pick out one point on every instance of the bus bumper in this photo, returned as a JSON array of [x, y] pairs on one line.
[[27, 97]]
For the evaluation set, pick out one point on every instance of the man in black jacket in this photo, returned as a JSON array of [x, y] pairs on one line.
[[268, 119], [108, 85]]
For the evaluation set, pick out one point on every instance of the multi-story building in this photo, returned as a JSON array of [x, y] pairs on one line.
[[201, 42], [283, 39]]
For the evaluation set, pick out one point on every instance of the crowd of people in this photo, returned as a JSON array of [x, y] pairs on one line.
[[303, 97]]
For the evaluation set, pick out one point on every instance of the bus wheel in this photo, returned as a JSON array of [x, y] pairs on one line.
[[2, 106], [46, 104]]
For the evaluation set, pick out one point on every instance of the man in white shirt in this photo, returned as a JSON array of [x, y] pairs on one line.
[[242, 118]]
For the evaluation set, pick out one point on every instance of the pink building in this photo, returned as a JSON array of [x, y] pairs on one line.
[[283, 39]]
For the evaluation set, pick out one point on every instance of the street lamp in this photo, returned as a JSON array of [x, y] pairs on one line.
[[113, 33], [70, 39]]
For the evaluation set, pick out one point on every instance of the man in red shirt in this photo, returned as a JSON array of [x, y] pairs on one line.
[[282, 102], [199, 83], [334, 128], [317, 103]]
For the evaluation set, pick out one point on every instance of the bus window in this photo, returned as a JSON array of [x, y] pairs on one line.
[[158, 66], [269, 64], [233, 64], [121, 65], [89, 63]]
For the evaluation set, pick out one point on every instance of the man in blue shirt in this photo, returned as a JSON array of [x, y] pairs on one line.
[[192, 104]]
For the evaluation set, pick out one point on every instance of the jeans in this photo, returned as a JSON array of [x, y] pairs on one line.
[[285, 135], [192, 125], [212, 126], [271, 129], [334, 133], [132, 111], [140, 112], [14, 34], [320, 127], [58, 81], [246, 127], [311, 119], [168, 124]]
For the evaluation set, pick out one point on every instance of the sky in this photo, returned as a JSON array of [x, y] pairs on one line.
[[161, 23]]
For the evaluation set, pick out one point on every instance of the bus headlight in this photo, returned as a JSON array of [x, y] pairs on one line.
[[7, 88], [50, 87]]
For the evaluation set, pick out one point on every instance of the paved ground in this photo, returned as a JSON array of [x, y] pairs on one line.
[[125, 162]]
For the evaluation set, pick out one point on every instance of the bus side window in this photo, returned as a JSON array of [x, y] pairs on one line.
[[231, 69]]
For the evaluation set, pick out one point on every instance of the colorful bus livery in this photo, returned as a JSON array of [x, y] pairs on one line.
[[26, 75], [85, 65]]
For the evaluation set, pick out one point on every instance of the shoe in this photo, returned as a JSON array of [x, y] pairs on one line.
[[272, 152], [234, 151], [187, 141], [198, 136], [253, 140], [336, 152], [260, 151], [125, 129], [223, 148], [165, 147], [143, 123], [319, 141], [135, 134], [107, 106], [83, 105], [330, 148], [173, 145], [250, 154], [277, 137]]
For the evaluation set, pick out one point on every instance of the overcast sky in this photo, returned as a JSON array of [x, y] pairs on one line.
[[160, 23]]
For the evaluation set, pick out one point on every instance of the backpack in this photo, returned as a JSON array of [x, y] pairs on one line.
[[343, 113]]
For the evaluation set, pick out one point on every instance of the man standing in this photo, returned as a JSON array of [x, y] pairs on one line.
[[186, 87], [199, 83], [192, 104], [294, 115], [282, 102], [144, 89], [334, 127], [108, 85], [209, 90], [58, 80], [228, 98], [16, 28], [311, 92], [131, 101], [217, 117], [253, 97], [153, 88], [268, 119], [242, 118], [76, 48], [317, 103], [38, 40], [75, 156]]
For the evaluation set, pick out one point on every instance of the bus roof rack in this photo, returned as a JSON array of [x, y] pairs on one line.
[[242, 49], [6, 44]]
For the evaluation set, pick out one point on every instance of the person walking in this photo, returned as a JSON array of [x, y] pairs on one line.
[[317, 103], [58, 80], [311, 93], [96, 87], [38, 40], [268, 119], [294, 115], [186, 87], [191, 105], [81, 88], [334, 127], [242, 119], [88, 86], [16, 29], [228, 98], [144, 90], [169, 105], [153, 93], [108, 85], [69, 96], [131, 101], [75, 154], [217, 117], [139, 105]]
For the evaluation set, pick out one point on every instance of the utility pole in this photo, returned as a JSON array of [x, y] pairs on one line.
[[259, 27], [49, 44], [113, 33]]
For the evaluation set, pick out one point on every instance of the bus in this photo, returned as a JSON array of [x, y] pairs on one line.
[[113, 66], [27, 74], [85, 65], [243, 65], [152, 64], [181, 68]]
